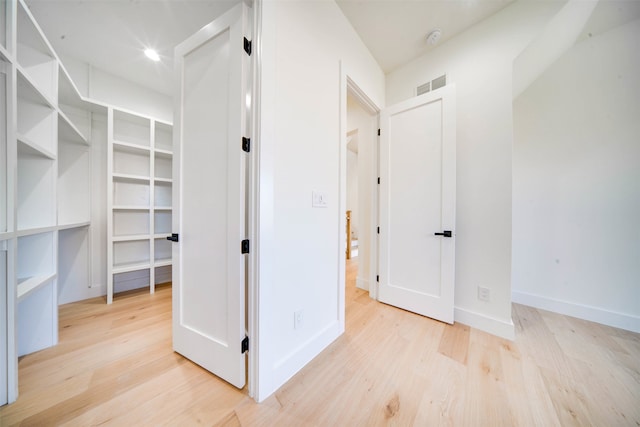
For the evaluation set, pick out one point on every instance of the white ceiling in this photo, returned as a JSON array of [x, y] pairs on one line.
[[112, 34], [395, 31]]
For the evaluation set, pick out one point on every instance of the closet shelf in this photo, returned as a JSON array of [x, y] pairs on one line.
[[30, 284], [163, 180], [130, 208], [163, 208], [28, 89], [30, 148], [163, 153], [129, 177], [130, 238], [37, 230], [68, 131], [125, 268], [74, 225], [130, 147], [162, 262]]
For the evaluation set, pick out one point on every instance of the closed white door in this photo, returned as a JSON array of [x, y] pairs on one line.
[[209, 197], [417, 204]]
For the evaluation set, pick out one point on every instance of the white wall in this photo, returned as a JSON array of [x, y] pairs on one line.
[[113, 90], [366, 124], [300, 251], [576, 183], [479, 63]]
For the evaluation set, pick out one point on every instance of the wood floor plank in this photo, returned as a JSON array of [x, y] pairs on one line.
[[115, 366]]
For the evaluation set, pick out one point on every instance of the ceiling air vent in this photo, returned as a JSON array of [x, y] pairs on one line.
[[434, 84]]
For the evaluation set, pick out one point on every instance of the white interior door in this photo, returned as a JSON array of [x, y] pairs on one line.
[[209, 194], [417, 201]]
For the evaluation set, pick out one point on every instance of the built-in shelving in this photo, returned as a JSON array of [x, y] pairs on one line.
[[139, 197], [45, 187]]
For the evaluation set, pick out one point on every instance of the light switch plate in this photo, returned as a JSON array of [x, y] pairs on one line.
[[319, 199]]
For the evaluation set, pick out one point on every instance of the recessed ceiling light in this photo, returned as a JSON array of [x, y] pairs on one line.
[[152, 54]]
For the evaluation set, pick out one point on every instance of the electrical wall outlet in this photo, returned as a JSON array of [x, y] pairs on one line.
[[484, 294], [298, 319]]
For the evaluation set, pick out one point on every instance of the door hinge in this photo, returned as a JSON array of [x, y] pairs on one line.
[[378, 132], [378, 230], [245, 345], [174, 237], [245, 246], [246, 144], [378, 180], [377, 278], [247, 46]]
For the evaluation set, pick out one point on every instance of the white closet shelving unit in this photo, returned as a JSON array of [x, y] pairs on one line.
[[45, 194], [46, 191], [139, 196]]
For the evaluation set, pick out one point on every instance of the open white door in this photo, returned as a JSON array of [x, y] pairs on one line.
[[209, 197], [417, 204]]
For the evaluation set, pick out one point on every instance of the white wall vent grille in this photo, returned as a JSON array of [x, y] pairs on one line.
[[434, 84], [423, 88]]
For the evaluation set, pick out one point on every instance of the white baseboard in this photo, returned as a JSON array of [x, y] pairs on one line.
[[292, 363], [581, 311], [485, 323], [362, 283]]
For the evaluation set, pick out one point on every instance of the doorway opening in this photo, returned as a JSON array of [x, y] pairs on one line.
[[359, 186]]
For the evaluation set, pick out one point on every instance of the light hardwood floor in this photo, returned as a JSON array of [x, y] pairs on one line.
[[114, 366]]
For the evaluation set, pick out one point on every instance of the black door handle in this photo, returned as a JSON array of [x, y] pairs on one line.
[[445, 233], [173, 237]]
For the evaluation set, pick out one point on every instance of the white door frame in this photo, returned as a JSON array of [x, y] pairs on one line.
[[348, 85], [253, 202]]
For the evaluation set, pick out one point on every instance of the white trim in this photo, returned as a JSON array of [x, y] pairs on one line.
[[498, 327], [362, 283], [616, 319], [253, 211], [285, 368]]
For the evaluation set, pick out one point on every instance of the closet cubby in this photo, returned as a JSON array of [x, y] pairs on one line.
[[131, 129], [131, 255], [131, 222], [162, 193], [140, 205], [36, 262], [128, 191], [74, 183], [36, 198], [163, 165], [35, 55], [163, 138], [162, 250], [37, 119], [74, 263], [130, 160], [162, 222]]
